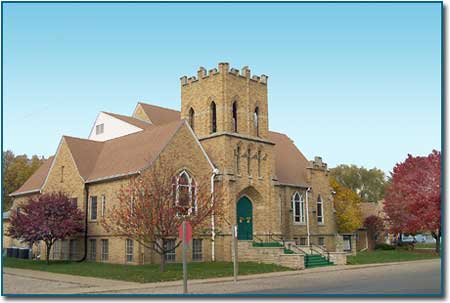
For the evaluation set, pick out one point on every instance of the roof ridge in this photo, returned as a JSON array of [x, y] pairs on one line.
[[81, 139], [148, 104]]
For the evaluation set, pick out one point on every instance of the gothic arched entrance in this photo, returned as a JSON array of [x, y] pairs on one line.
[[244, 215]]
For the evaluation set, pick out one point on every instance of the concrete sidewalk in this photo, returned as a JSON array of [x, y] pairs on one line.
[[88, 285]]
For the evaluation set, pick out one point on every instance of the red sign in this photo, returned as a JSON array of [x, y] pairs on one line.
[[188, 231]]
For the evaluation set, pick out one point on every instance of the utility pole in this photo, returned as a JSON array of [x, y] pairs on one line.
[[235, 252], [185, 246]]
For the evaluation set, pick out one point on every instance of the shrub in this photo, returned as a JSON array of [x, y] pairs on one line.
[[384, 246]]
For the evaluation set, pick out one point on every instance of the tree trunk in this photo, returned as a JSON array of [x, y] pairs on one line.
[[49, 246], [162, 263], [438, 241]]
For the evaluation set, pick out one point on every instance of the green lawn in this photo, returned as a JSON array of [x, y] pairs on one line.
[[143, 273], [385, 256], [425, 245]]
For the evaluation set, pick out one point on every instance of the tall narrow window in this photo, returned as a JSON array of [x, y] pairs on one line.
[[62, 174], [259, 163], [213, 118], [235, 127], [105, 250], [65, 249], [74, 201], [169, 247], [92, 249], [73, 249], [256, 121], [129, 250], [299, 208], [57, 250], [185, 193], [94, 208], [197, 252], [103, 205], [191, 118], [319, 210], [238, 159], [248, 161]]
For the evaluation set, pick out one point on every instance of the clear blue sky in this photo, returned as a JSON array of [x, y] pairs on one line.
[[354, 83]]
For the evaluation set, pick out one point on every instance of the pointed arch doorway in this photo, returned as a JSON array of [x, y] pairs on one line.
[[244, 216]]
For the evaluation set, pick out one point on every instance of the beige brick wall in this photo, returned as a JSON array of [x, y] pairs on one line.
[[224, 87]]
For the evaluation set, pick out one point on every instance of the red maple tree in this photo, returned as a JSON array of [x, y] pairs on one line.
[[413, 200], [48, 217], [152, 206]]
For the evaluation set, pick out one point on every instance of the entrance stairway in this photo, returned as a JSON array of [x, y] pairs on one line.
[[316, 261]]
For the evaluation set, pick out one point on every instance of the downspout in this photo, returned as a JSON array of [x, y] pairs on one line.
[[213, 228], [86, 200], [307, 217]]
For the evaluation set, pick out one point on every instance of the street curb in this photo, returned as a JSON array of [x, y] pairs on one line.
[[155, 285]]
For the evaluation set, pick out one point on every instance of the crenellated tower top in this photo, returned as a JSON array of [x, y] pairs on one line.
[[223, 67], [225, 100]]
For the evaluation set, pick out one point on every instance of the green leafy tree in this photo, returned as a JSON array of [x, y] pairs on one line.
[[16, 170], [348, 208], [368, 184]]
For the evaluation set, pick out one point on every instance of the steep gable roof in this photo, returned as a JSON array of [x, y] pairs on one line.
[[159, 115], [36, 181], [131, 153], [290, 163], [85, 154]]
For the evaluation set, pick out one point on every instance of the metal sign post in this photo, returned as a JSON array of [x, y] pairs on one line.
[[185, 289], [235, 252]]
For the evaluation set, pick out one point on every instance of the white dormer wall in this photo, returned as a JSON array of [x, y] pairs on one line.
[[113, 128]]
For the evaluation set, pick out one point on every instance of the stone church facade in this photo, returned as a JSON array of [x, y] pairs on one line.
[[271, 191]]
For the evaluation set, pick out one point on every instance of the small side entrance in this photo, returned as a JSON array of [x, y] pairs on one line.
[[244, 215]]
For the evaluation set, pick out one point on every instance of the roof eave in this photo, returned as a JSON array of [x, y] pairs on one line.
[[15, 194]]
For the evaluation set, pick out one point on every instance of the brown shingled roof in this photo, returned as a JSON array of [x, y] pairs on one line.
[[85, 153], [130, 153], [290, 163], [131, 120], [116, 157], [160, 115], [35, 182]]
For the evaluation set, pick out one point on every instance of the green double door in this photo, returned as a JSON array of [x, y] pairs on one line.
[[244, 214]]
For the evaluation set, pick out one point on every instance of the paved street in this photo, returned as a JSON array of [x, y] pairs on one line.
[[418, 277]]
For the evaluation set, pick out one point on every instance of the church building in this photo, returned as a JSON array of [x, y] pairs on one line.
[[272, 192]]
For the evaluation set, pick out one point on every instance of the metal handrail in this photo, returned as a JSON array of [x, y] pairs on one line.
[[273, 237], [324, 251]]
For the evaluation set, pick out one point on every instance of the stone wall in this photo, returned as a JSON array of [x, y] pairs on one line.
[[269, 255]]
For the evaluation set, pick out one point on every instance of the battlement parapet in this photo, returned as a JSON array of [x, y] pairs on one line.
[[224, 68], [317, 163]]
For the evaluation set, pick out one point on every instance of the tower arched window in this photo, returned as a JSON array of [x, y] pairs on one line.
[[320, 218], [191, 118], [298, 204], [185, 194], [213, 117], [256, 121], [234, 120]]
